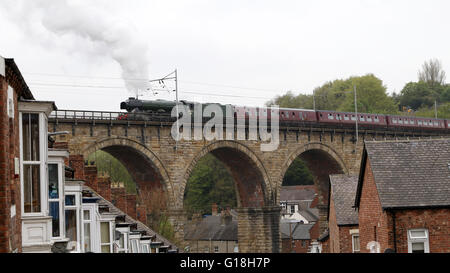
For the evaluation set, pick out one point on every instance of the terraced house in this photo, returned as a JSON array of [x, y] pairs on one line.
[[44, 207], [403, 196]]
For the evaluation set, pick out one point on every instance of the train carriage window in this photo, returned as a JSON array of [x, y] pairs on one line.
[[362, 118], [400, 121], [411, 121], [376, 119], [330, 116], [435, 123], [369, 119], [346, 117], [293, 114], [353, 117], [394, 120], [419, 122], [265, 112], [338, 117]]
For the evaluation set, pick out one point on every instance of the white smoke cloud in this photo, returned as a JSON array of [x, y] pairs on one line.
[[115, 37]]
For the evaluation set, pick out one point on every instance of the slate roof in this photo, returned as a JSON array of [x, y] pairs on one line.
[[409, 174], [139, 225], [343, 193], [299, 231], [303, 192], [212, 227], [310, 214]]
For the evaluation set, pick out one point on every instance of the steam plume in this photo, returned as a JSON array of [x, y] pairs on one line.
[[116, 38]]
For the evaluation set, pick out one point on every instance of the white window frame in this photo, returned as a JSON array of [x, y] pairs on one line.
[[75, 208], [111, 236], [134, 238], [91, 208], [61, 197], [424, 240], [41, 162], [354, 249], [125, 231]]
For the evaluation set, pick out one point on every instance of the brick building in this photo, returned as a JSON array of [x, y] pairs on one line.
[[403, 196], [297, 237], [12, 87], [342, 217]]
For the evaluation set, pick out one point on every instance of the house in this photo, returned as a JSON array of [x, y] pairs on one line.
[[217, 233], [403, 196], [342, 217], [43, 208], [295, 236], [12, 88], [297, 203]]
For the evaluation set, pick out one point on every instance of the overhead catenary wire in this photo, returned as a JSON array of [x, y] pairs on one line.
[[141, 79], [194, 92]]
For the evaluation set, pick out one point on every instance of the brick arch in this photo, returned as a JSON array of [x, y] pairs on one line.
[[145, 163], [322, 160], [251, 178]]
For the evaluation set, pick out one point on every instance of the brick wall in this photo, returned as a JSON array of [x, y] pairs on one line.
[[131, 205], [10, 227], [435, 220], [91, 177], [294, 246], [119, 199], [333, 228], [104, 187], [373, 226]]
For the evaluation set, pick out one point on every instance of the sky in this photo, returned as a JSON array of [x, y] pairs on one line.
[[93, 54]]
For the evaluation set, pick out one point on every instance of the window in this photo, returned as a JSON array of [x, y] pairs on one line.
[[369, 119], [330, 116], [376, 119], [216, 249], [346, 117], [355, 243], [105, 237], [362, 118], [418, 241], [72, 222], [394, 120], [145, 248], [134, 246], [353, 117], [419, 122], [292, 210], [54, 200], [31, 159], [88, 231]]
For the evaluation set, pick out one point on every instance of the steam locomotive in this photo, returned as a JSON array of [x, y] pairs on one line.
[[147, 109]]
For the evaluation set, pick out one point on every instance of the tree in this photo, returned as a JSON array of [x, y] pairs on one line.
[[298, 174], [418, 94], [432, 73], [371, 96], [209, 183], [338, 95]]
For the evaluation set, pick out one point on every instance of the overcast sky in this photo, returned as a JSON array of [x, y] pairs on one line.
[[238, 52]]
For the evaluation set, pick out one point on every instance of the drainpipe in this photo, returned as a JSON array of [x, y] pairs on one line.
[[394, 230]]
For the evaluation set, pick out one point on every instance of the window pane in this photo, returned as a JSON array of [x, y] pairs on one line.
[[70, 200], [30, 137], [121, 241], [104, 229], [54, 212], [106, 249], [32, 188], [71, 225], [356, 243], [418, 234], [418, 248], [86, 215], [87, 237], [53, 189]]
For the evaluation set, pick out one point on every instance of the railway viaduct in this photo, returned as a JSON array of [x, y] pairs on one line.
[[157, 162]]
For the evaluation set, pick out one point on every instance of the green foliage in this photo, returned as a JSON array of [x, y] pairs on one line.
[[298, 174], [209, 183], [338, 95], [108, 164], [371, 96], [443, 111]]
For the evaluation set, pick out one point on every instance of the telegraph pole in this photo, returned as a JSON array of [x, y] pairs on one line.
[[356, 114]]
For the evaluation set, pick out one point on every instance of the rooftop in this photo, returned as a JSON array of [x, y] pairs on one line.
[[414, 173], [343, 192]]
